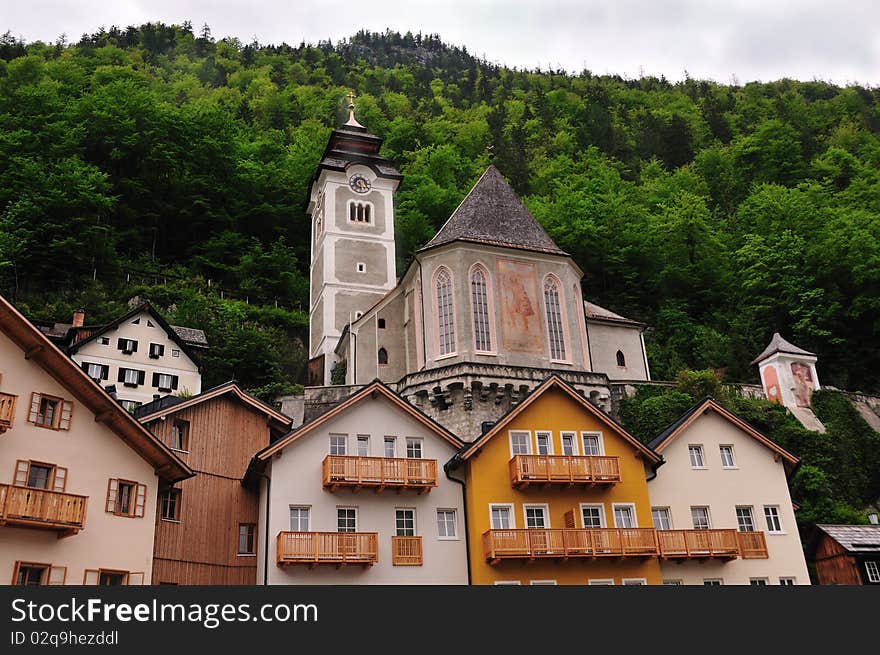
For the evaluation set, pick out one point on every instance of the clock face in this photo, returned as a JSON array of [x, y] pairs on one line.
[[359, 184]]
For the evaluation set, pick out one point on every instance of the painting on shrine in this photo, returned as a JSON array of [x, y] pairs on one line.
[[521, 329], [803, 384]]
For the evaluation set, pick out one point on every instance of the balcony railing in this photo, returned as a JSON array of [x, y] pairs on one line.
[[568, 543], [406, 551], [42, 509], [752, 545], [379, 473], [698, 544], [564, 469], [338, 548], [7, 411]]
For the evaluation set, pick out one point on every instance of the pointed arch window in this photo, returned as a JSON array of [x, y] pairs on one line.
[[555, 324], [445, 311], [480, 309], [621, 358], [382, 357]]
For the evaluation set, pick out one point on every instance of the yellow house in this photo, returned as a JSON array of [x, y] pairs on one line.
[[556, 493]]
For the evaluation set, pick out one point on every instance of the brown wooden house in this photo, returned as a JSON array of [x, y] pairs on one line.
[[206, 526], [847, 554]]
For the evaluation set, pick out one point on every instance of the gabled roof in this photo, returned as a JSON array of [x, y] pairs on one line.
[[854, 538], [594, 312], [196, 338], [661, 441], [555, 382], [372, 390], [165, 407], [106, 410], [492, 213], [779, 345]]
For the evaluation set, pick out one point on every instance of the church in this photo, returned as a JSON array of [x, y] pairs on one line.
[[486, 310]]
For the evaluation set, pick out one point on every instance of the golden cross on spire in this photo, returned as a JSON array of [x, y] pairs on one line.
[[352, 121], [351, 99]]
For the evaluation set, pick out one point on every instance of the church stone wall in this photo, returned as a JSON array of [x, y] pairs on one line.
[[350, 252], [606, 340]]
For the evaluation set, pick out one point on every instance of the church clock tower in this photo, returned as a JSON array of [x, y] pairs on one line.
[[351, 208]]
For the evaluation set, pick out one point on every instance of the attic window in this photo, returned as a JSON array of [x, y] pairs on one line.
[[150, 324], [104, 341], [136, 321], [381, 323]]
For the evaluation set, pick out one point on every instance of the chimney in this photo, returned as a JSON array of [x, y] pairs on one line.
[[79, 316]]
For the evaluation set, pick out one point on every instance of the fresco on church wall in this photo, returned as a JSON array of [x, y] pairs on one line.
[[521, 328], [771, 384], [803, 384]]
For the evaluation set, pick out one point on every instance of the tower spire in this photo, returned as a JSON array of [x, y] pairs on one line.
[[352, 121]]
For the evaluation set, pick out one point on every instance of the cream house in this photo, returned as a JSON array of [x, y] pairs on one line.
[[78, 474], [721, 503], [359, 496]]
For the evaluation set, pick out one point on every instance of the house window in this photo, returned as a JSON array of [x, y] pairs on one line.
[[634, 582], [405, 522], [446, 524], [727, 460], [130, 377], [380, 323], [164, 381], [536, 517], [568, 444], [621, 359], [30, 574], [873, 518], [555, 329], [104, 341], [592, 444], [545, 447], [389, 446], [592, 516], [601, 582], [541, 583], [382, 357], [744, 519], [127, 346], [126, 498], [873, 571], [624, 516], [696, 454], [346, 519], [246, 541], [129, 405], [520, 443], [171, 505], [501, 517], [299, 519], [758, 582], [50, 412], [660, 517], [180, 435], [107, 577], [360, 212], [672, 583], [713, 582], [156, 350], [111, 578], [39, 476], [361, 267], [175, 352], [337, 444], [413, 448], [700, 517], [787, 582], [363, 443], [480, 309], [97, 372], [445, 311], [771, 513]]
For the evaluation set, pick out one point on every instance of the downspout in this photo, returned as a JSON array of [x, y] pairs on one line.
[[424, 343], [447, 467], [266, 537], [645, 354]]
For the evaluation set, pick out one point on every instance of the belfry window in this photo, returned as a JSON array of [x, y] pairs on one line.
[[480, 308], [382, 357], [445, 312], [360, 212], [555, 328], [621, 359]]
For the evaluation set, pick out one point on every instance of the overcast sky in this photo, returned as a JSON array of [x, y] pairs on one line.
[[836, 40]]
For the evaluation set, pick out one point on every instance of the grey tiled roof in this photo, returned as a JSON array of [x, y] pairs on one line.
[[855, 538], [191, 336], [779, 345], [592, 310], [493, 213]]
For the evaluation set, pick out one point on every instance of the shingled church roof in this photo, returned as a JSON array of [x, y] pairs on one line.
[[780, 345], [492, 213]]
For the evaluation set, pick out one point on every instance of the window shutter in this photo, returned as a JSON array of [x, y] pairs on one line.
[[57, 575], [112, 486], [174, 382], [66, 414], [60, 479], [136, 578], [141, 376], [84, 366], [91, 577], [569, 520], [140, 500], [35, 407], [121, 376], [134, 346], [155, 379], [105, 371], [21, 473], [120, 344]]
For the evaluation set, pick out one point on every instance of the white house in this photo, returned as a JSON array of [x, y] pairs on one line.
[[726, 484], [359, 496]]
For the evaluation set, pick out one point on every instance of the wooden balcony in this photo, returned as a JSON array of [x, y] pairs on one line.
[[336, 548], [698, 544], [7, 411], [562, 544], [566, 470], [406, 551], [379, 473], [752, 545], [42, 509]]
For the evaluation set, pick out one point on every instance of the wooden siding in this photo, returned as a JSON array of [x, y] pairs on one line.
[[834, 565]]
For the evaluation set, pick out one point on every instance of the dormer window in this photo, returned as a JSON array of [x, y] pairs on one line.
[[127, 346], [156, 350], [360, 212]]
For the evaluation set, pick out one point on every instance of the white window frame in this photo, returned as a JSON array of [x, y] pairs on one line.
[[410, 441], [527, 434], [360, 267], [634, 582], [759, 582], [632, 509], [490, 309], [165, 387], [751, 512], [454, 512], [344, 438], [542, 583], [510, 513], [363, 439], [125, 377], [366, 204], [673, 582], [545, 509], [668, 517], [507, 583], [732, 465], [356, 517], [600, 438], [708, 517], [415, 527], [777, 516], [393, 441], [872, 571], [308, 511], [706, 582], [570, 434], [602, 518], [600, 582], [702, 451], [788, 581], [543, 433]]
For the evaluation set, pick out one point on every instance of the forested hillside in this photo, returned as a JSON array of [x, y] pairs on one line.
[[162, 162]]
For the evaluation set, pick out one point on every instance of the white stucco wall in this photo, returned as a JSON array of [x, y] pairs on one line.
[[758, 480], [189, 378], [296, 480], [92, 454], [606, 339]]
